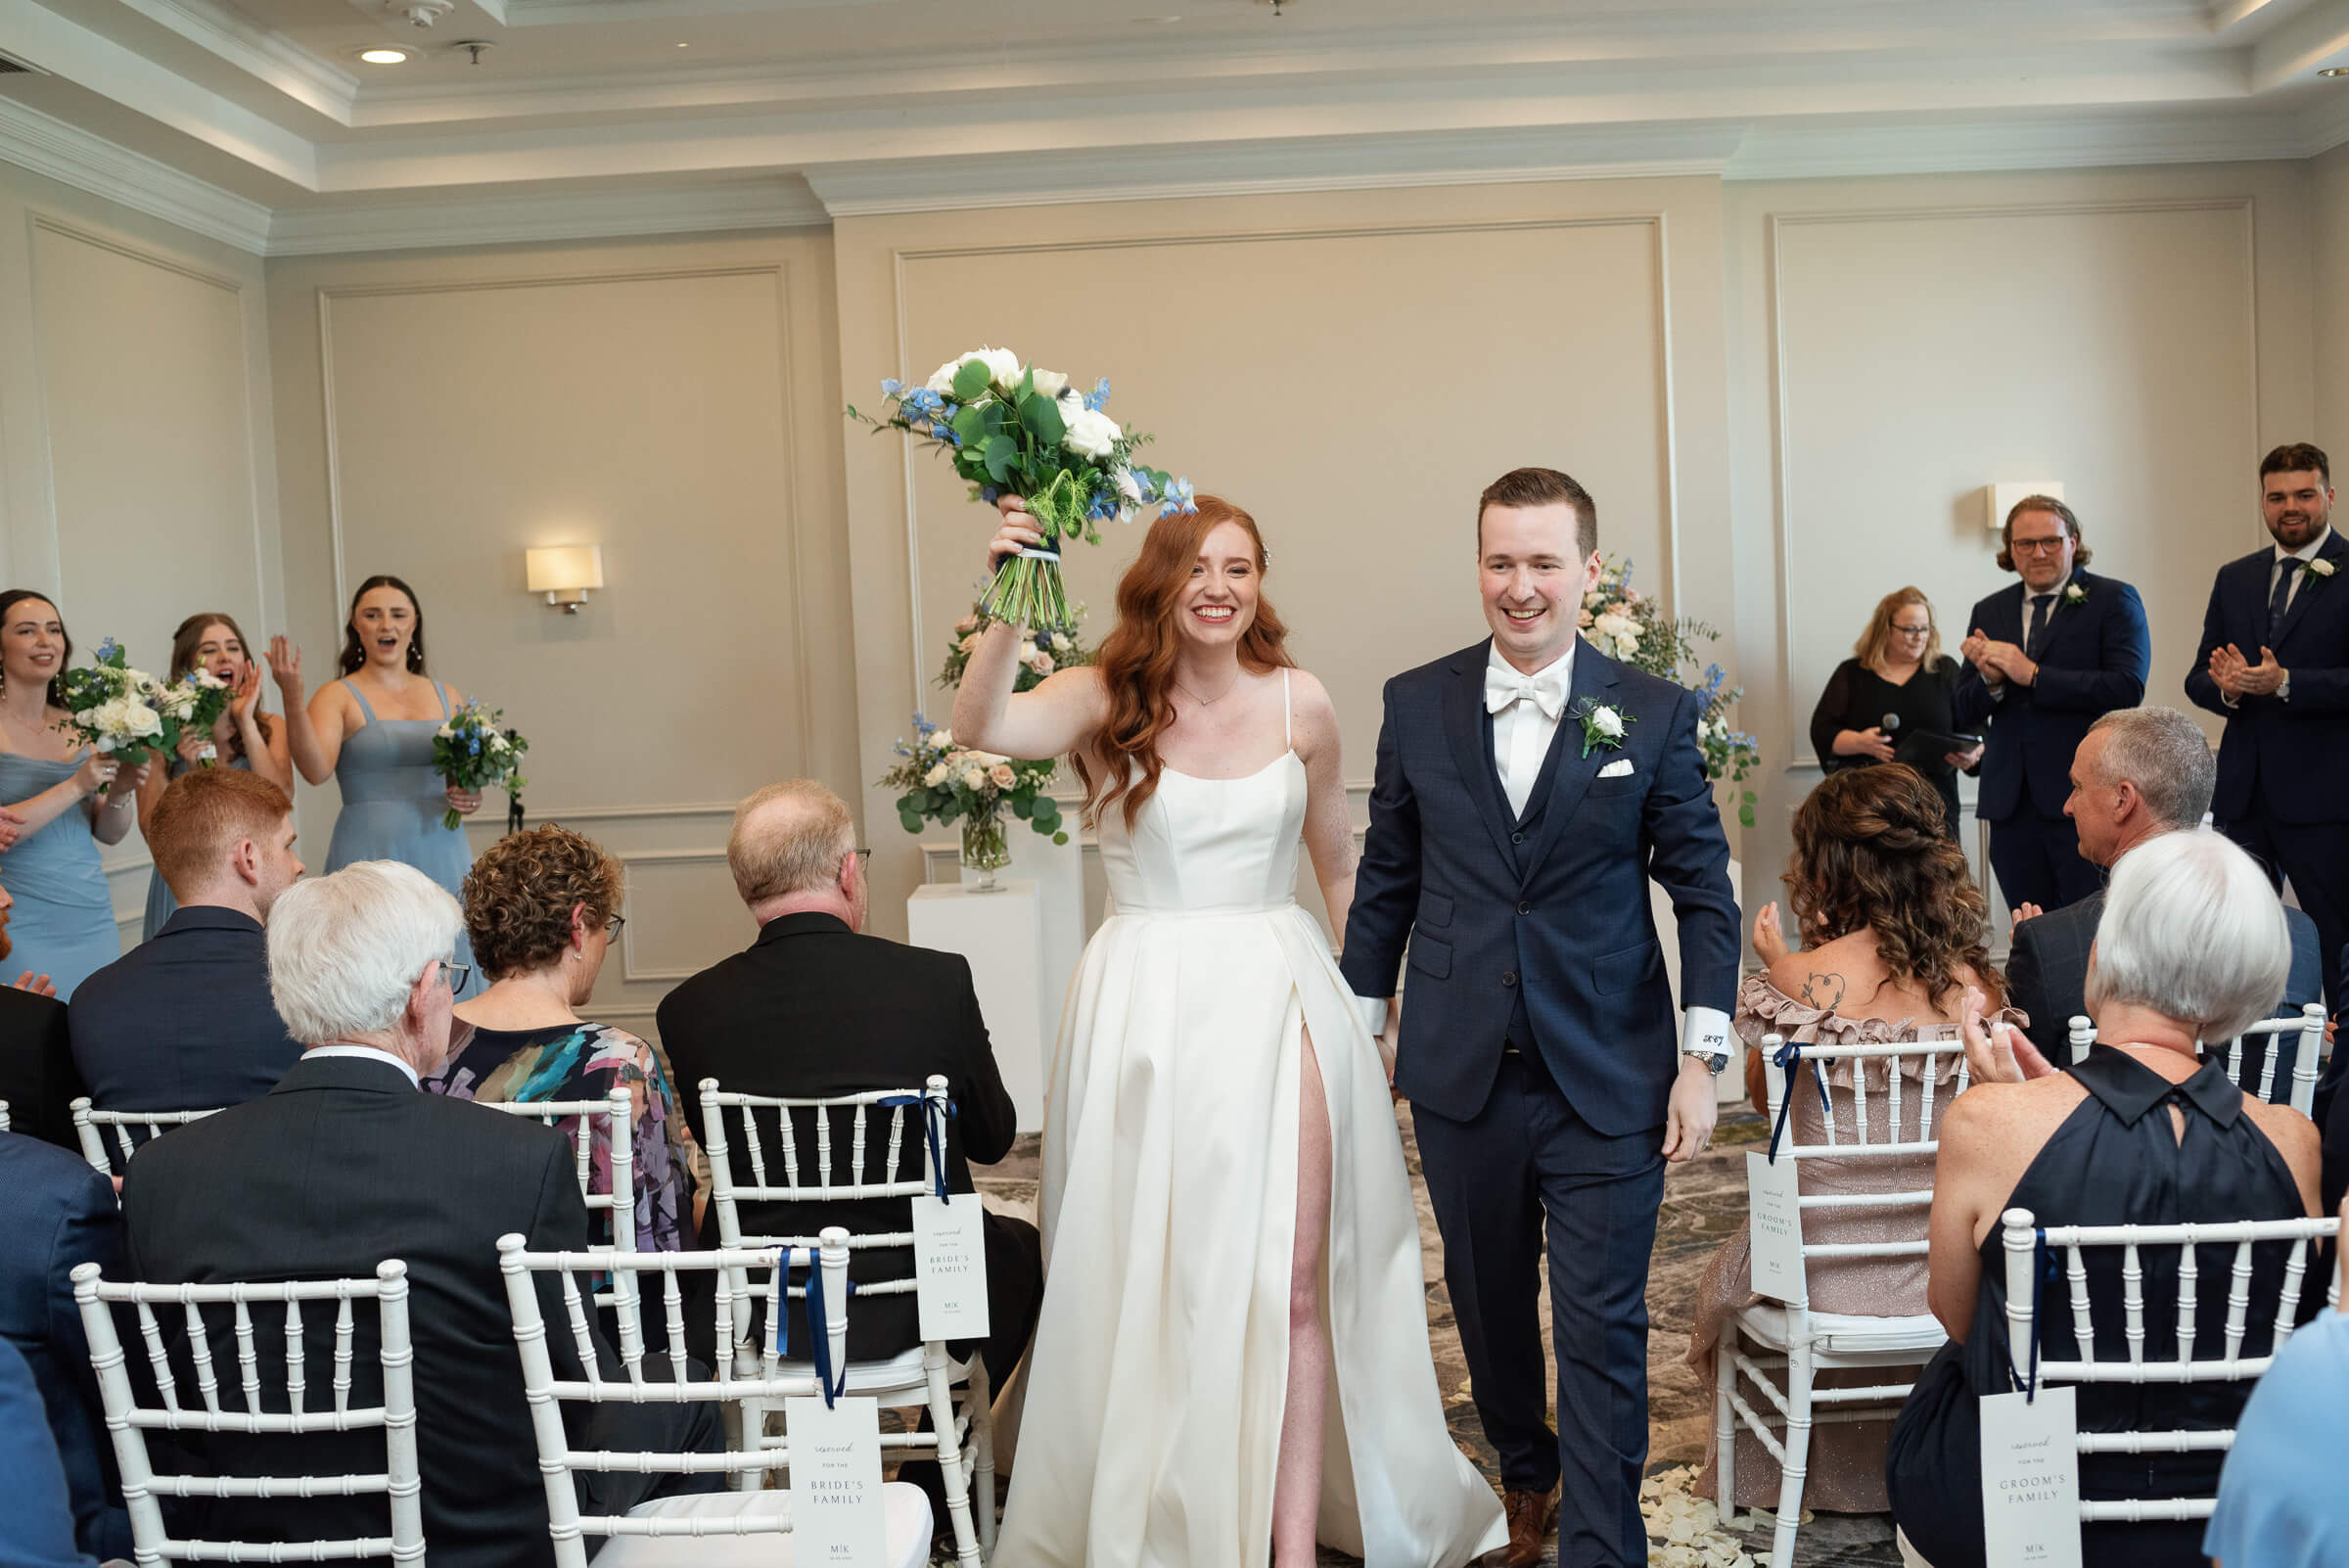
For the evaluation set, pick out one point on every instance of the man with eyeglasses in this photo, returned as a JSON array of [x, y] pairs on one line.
[[2045, 660]]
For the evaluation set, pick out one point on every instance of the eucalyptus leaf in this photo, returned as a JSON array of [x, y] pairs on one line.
[[1041, 415], [971, 379]]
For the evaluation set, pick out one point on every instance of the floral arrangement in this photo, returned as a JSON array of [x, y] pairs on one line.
[[944, 782], [1017, 430], [472, 753], [1043, 649], [1626, 624], [128, 714]]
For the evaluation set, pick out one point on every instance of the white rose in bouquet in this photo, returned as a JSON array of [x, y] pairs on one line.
[[497, 742], [943, 739], [1620, 630], [140, 720], [974, 779], [1091, 434], [1061, 642], [942, 380], [1002, 366], [1048, 383], [935, 776]]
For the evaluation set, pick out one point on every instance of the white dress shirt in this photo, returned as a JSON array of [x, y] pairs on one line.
[[365, 1054]]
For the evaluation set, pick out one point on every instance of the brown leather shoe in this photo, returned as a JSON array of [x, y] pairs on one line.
[[1532, 1515]]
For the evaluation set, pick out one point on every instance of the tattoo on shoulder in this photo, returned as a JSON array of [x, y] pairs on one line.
[[1824, 992]]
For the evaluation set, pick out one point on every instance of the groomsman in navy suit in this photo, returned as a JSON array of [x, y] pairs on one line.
[[2046, 658], [2274, 661], [1529, 789]]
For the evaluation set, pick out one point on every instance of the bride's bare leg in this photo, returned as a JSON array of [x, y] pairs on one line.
[[1297, 1483]]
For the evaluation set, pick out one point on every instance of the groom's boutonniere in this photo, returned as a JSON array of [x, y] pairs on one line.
[[1602, 726], [2318, 569], [2075, 594]]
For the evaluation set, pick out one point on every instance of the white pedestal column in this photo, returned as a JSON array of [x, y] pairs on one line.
[[1001, 934]]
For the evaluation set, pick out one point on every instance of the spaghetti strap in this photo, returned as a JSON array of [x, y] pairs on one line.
[[359, 698], [1288, 731], [441, 692]]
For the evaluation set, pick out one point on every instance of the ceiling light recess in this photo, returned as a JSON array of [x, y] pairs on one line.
[[385, 57], [2334, 70]]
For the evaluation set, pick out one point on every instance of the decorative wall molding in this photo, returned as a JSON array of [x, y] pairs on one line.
[[259, 52], [781, 202], [630, 971], [72, 156], [1771, 151]]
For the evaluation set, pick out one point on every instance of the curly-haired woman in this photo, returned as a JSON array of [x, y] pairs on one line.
[[542, 907], [1891, 923]]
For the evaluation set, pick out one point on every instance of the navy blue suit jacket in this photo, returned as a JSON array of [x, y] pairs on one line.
[[1440, 870], [2095, 659], [37, 1527], [184, 1022], [61, 1214], [2300, 748]]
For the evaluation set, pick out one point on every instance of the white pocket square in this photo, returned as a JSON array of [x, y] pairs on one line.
[[1617, 769]]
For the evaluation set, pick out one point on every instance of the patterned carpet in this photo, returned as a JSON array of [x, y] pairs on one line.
[[1704, 1201]]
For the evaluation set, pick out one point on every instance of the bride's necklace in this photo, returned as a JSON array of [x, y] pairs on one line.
[[1207, 702]]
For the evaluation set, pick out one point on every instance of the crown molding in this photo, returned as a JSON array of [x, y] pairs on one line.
[[2325, 128], [259, 52], [1819, 151], [72, 156], [782, 202]]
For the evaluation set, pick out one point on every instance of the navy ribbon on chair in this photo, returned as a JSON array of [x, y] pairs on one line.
[[2043, 1270], [816, 1332], [1790, 1056], [934, 1127]]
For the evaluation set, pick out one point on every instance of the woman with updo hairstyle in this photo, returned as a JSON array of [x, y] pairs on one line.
[[244, 737], [1891, 925], [542, 907]]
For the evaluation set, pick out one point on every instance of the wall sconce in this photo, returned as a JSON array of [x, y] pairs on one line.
[[564, 572], [2002, 495]]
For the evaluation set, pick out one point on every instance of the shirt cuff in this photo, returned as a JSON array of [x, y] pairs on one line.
[[1705, 1032], [1373, 1011], [2283, 688], [2230, 699]]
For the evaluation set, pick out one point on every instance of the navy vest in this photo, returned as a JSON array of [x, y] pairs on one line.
[[1523, 836]]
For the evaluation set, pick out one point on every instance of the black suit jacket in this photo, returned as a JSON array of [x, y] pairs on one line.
[[813, 1009], [1560, 908], [37, 1079], [61, 1215], [344, 1165], [2095, 658], [184, 1022], [2047, 974], [2283, 753]]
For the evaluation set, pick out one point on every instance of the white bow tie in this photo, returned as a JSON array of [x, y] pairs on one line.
[[1546, 691]]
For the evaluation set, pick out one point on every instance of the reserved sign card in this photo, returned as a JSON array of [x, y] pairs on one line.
[[1774, 1207], [950, 1279], [2031, 1480], [836, 1514]]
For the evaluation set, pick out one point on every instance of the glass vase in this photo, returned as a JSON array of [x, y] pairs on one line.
[[986, 850]]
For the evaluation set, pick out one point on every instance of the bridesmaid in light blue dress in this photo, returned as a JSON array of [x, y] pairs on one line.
[[63, 922], [372, 732], [244, 738]]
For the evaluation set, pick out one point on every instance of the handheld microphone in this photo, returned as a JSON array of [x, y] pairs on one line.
[[1891, 724]]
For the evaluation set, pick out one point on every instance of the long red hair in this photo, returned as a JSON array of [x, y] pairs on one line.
[[1137, 660]]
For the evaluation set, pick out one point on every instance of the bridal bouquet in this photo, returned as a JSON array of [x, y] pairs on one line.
[[127, 714], [944, 782], [1626, 624], [1016, 430], [472, 753]]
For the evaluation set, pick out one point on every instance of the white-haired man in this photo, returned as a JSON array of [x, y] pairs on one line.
[[344, 1165]]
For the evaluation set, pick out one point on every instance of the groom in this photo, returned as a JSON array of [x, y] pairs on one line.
[[1527, 788]]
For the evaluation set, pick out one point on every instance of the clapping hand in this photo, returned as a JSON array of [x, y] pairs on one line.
[[285, 666], [2238, 676], [2003, 661], [241, 699], [39, 984], [1770, 942], [1997, 1052]]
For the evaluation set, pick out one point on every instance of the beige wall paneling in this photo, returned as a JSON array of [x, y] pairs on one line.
[[1903, 343], [652, 399], [2329, 222], [1350, 367], [152, 492]]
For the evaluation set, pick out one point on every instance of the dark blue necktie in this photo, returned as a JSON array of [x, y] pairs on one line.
[[2041, 604], [2282, 593]]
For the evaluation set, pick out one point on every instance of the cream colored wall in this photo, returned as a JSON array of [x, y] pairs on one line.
[[2138, 336], [1350, 367], [2328, 222], [674, 403], [137, 474]]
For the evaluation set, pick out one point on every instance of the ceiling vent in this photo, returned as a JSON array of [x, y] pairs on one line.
[[10, 65]]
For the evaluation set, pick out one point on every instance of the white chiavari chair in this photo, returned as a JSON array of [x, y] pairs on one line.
[[3, 1115], [955, 1391], [1791, 1344], [2302, 1034], [91, 1127], [240, 1408], [733, 1529], [2276, 1312], [616, 1114]]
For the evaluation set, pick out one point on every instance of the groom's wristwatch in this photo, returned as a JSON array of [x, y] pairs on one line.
[[1716, 1061]]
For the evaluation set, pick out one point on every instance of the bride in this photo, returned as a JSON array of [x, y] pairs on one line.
[[1233, 1340]]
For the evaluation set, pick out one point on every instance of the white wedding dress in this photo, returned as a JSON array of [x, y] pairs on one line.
[[1156, 1385]]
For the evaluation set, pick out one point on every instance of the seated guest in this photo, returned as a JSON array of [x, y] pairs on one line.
[[344, 1165], [1897, 690], [542, 907], [2281, 1504], [61, 1215], [814, 1008], [1892, 927], [37, 1527], [37, 1080], [2138, 772], [184, 1023], [2191, 946]]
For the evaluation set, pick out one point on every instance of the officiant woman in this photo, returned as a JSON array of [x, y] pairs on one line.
[[1893, 701]]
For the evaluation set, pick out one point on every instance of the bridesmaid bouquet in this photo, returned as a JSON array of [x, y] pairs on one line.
[[1042, 650], [128, 714], [472, 753], [1016, 430], [944, 783], [1626, 624]]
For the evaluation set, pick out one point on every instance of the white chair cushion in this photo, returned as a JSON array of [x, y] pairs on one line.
[[900, 1375], [907, 1534], [1848, 1333]]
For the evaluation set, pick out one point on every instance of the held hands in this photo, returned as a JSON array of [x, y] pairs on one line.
[[1387, 1044], [1689, 1119], [1869, 742], [463, 802], [1770, 942], [2238, 676], [1998, 660], [1997, 1054], [1019, 531], [284, 668]]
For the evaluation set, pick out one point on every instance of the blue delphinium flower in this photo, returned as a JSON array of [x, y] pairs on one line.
[[1180, 496], [1098, 395], [989, 494], [891, 386], [107, 649]]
